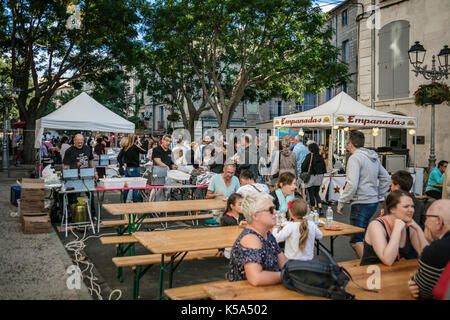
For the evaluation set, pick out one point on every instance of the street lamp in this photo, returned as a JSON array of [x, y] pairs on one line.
[[416, 58]]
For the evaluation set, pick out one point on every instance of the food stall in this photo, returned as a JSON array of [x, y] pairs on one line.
[[342, 114]]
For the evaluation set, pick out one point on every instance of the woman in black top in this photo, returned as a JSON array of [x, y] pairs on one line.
[[130, 155], [315, 165], [395, 236]]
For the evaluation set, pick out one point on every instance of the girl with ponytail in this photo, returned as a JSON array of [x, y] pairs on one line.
[[299, 233]]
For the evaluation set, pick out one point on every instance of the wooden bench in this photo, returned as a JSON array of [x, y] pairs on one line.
[[124, 222], [136, 263], [196, 292], [118, 240]]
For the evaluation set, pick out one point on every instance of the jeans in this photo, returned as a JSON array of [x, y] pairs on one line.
[[132, 172], [360, 215], [314, 197]]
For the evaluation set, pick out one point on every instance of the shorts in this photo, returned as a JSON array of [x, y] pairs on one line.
[[360, 214]]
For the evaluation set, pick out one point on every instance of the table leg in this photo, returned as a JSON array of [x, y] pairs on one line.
[[137, 273], [89, 212], [67, 212], [161, 274]]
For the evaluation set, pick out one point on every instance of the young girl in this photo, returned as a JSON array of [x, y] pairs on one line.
[[233, 213], [299, 233], [232, 216]]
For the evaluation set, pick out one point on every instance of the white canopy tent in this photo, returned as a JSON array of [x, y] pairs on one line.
[[82, 113], [343, 111]]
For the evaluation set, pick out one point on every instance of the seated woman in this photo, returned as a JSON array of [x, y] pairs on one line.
[[256, 256], [395, 236], [285, 191], [232, 217]]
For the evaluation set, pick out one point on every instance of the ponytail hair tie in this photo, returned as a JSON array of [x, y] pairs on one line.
[[289, 204]]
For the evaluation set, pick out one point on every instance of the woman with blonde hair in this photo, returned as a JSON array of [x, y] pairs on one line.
[[131, 161], [256, 255], [299, 233]]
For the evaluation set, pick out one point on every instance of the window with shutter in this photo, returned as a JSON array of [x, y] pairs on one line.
[[393, 80]]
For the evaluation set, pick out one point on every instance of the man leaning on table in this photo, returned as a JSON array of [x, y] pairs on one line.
[[221, 186], [79, 156], [436, 255]]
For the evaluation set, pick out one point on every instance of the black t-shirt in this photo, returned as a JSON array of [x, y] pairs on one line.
[[165, 156], [75, 157]]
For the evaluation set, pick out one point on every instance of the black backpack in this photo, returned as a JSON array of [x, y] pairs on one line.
[[316, 278]]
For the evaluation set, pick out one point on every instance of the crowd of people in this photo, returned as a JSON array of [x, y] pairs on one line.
[[273, 207]]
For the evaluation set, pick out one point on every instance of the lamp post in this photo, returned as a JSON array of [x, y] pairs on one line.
[[416, 57]]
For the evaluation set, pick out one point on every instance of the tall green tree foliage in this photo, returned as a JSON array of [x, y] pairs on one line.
[[51, 43], [223, 52]]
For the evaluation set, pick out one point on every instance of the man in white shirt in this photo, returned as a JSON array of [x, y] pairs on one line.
[[248, 184]]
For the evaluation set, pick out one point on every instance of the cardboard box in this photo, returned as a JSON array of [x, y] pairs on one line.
[[35, 224], [29, 180], [31, 208], [32, 192]]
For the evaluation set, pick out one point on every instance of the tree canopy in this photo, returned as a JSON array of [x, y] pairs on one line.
[[222, 52], [51, 43]]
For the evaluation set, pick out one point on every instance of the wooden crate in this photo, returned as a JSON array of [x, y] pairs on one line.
[[35, 224]]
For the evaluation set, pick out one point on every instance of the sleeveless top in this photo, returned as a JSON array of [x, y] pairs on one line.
[[370, 257], [267, 256]]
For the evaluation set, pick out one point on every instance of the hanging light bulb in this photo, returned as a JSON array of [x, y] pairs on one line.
[[346, 128], [375, 134], [412, 132], [301, 132], [336, 127], [375, 129]]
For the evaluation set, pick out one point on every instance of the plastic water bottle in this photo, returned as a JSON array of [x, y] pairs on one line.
[[316, 217], [329, 216]]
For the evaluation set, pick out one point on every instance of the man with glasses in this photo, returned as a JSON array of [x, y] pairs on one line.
[[367, 183], [435, 256], [162, 155]]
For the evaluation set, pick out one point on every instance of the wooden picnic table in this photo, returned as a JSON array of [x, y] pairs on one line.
[[142, 209], [393, 286], [139, 208], [176, 242], [347, 230]]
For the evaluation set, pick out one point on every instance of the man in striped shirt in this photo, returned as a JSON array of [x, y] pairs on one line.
[[435, 256]]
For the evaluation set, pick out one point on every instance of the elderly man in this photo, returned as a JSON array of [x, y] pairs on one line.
[[435, 256], [222, 186], [79, 155]]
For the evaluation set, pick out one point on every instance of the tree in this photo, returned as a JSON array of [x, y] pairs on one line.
[[51, 43], [228, 51], [170, 80]]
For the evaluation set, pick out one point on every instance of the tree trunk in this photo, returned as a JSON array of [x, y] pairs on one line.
[[28, 141]]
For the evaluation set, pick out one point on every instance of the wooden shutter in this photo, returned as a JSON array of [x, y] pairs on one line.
[[386, 72], [400, 33]]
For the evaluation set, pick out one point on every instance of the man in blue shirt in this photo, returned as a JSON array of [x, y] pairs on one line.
[[221, 186], [436, 177], [300, 151]]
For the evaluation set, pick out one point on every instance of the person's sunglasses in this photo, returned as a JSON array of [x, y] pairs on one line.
[[271, 210]]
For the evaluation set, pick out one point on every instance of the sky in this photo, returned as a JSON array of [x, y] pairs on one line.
[[327, 5]]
